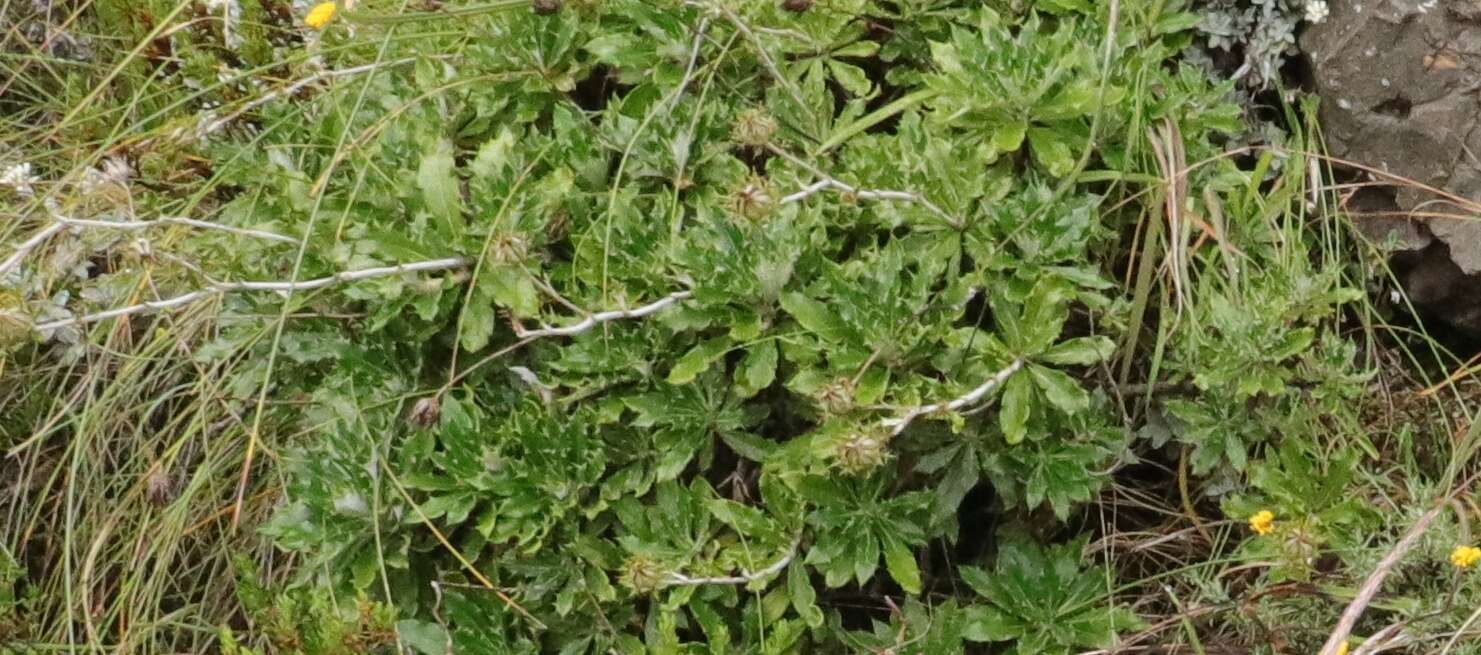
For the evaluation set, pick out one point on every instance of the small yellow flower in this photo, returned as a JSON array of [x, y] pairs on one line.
[[320, 15], [1263, 522], [1464, 557], [1342, 650]]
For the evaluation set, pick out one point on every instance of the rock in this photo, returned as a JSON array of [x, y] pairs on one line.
[[1400, 82]]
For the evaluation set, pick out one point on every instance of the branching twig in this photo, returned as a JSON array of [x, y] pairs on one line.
[[971, 398], [60, 223], [746, 577], [30, 244], [598, 318], [870, 194], [228, 287], [209, 125], [173, 220], [699, 39], [1374, 582], [827, 182], [766, 59]]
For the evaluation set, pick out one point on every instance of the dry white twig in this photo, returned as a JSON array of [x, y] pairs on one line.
[[228, 287], [699, 39], [60, 223], [746, 577], [1375, 580], [970, 398], [766, 59], [828, 183], [173, 220], [28, 245], [208, 125], [598, 318]]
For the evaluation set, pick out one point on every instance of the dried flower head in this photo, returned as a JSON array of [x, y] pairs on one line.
[[861, 452], [754, 201], [159, 487], [797, 6], [509, 248], [754, 127], [837, 396], [545, 7], [426, 412], [642, 574]]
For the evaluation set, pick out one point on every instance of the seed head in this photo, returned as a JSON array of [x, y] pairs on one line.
[[426, 412], [754, 128]]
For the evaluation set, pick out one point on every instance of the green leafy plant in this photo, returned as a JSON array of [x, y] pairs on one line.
[[627, 327], [1041, 600]]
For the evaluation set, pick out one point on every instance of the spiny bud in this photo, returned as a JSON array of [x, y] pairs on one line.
[[426, 412], [642, 574], [509, 248], [159, 487], [754, 201], [837, 396], [861, 452], [797, 6], [754, 128], [545, 7]]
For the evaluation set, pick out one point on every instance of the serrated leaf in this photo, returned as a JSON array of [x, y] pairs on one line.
[[1009, 137], [1061, 389], [852, 78], [697, 360], [423, 637], [900, 562], [513, 289], [615, 48], [1051, 149], [804, 597], [864, 550], [860, 48], [478, 325], [439, 186], [493, 156], [758, 370], [1017, 404], [1082, 351], [717, 634], [814, 316], [872, 385], [984, 624], [747, 445]]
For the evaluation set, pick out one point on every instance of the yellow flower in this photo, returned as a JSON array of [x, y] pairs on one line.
[[1464, 557], [1263, 522], [1342, 650], [320, 15]]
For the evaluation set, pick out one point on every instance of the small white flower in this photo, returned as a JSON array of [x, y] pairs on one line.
[[117, 170], [352, 503], [19, 177], [1316, 11], [113, 171]]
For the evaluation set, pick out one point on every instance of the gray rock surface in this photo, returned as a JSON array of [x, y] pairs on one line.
[[1400, 82]]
